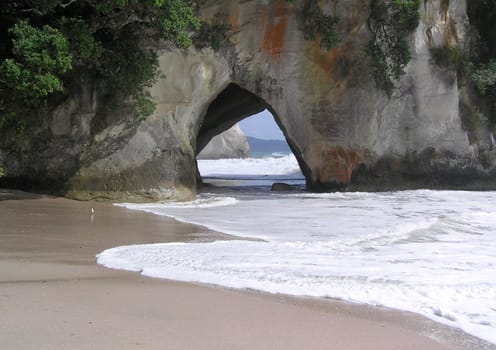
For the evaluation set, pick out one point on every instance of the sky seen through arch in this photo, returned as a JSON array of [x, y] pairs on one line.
[[261, 126]]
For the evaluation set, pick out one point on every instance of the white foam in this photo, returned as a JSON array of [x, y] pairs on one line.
[[199, 202], [429, 252], [276, 165]]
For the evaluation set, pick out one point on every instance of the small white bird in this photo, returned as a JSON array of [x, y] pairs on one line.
[[92, 211]]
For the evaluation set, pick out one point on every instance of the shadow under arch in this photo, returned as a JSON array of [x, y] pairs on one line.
[[232, 105]]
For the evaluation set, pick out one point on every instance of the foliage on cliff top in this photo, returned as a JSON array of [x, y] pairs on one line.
[[47, 41], [39, 57], [391, 22]]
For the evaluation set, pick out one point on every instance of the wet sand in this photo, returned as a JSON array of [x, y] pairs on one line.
[[54, 296]]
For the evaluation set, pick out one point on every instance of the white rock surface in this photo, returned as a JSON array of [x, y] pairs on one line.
[[231, 143]]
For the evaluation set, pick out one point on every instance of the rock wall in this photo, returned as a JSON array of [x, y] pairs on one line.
[[338, 124], [344, 132], [156, 160], [232, 143]]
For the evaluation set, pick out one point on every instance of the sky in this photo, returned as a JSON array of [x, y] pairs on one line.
[[261, 126]]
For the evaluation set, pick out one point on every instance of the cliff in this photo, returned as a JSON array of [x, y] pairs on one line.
[[231, 143], [344, 131]]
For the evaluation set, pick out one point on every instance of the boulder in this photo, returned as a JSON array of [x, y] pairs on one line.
[[231, 143], [281, 186]]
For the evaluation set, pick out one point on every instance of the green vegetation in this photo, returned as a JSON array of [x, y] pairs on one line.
[[480, 57], [391, 22], [478, 119], [49, 44], [39, 57], [214, 35], [446, 56], [1, 171], [483, 76], [476, 62], [317, 25], [472, 117]]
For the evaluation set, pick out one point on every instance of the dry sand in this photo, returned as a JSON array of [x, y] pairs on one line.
[[54, 296]]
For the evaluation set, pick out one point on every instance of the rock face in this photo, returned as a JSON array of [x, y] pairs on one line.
[[343, 131], [231, 143]]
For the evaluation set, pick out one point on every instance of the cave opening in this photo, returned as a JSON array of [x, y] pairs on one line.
[[271, 157]]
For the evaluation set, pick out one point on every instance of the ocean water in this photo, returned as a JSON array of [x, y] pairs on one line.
[[428, 252]]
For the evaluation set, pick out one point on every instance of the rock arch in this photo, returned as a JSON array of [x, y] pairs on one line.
[[334, 119], [229, 107], [232, 105]]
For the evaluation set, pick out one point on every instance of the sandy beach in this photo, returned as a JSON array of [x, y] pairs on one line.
[[54, 296]]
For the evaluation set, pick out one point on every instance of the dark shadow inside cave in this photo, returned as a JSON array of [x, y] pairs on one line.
[[232, 105], [229, 107]]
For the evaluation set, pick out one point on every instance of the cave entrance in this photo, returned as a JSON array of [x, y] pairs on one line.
[[271, 156]]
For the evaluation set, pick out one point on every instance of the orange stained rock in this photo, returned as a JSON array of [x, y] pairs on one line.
[[275, 23], [337, 164], [331, 61], [233, 19]]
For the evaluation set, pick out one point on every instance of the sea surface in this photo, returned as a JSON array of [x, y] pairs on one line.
[[428, 252]]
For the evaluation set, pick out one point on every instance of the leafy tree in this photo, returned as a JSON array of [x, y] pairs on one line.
[[39, 57], [50, 42]]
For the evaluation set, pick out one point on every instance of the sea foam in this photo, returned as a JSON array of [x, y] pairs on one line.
[[280, 165], [429, 252]]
